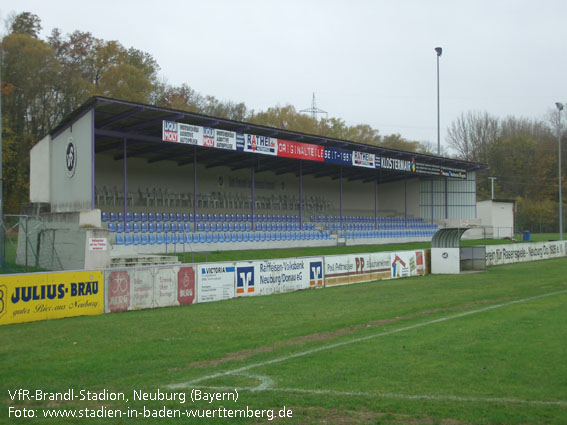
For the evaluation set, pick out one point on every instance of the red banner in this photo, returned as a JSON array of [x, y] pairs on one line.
[[298, 150]]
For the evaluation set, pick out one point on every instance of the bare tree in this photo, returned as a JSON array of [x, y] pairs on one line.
[[471, 135]]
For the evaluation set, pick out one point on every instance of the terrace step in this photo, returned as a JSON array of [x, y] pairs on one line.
[[143, 260]]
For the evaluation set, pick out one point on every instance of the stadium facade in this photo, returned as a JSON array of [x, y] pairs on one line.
[[117, 178]]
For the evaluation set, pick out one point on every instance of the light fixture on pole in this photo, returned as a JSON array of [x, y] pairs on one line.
[[559, 109], [492, 186], [439, 51]]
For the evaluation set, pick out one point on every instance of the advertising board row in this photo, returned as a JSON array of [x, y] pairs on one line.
[[516, 253], [175, 132], [41, 296]]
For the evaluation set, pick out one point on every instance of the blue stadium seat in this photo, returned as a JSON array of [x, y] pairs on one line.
[[174, 226], [158, 217], [198, 217], [233, 237], [136, 239], [151, 217], [221, 237], [128, 217], [244, 237], [227, 237], [256, 236], [113, 216], [213, 227], [179, 217], [136, 217], [128, 239], [202, 238], [159, 227], [209, 237], [144, 227], [262, 236], [104, 216], [239, 237], [207, 227], [168, 238], [273, 236], [119, 239], [166, 227], [128, 228], [144, 217], [120, 227], [112, 227], [159, 238], [187, 227], [152, 239], [185, 218], [121, 216], [151, 227], [196, 238], [135, 227]]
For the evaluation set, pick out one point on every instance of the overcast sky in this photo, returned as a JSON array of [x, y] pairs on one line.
[[370, 62]]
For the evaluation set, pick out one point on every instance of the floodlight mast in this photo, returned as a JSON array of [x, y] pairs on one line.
[[439, 51], [559, 109]]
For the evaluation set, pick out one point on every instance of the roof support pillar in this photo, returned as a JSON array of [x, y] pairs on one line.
[[301, 194], [341, 197], [406, 201], [125, 180], [446, 198], [194, 189], [376, 204], [252, 195]]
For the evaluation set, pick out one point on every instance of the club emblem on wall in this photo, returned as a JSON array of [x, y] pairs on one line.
[[71, 158]]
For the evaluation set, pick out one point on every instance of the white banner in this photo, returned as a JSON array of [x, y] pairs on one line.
[[363, 159], [276, 276], [356, 268], [215, 282], [516, 253], [407, 263], [148, 287], [260, 144]]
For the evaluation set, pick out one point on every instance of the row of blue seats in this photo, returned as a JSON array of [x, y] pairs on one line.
[[167, 227], [142, 217], [364, 219], [366, 226], [194, 238], [389, 234]]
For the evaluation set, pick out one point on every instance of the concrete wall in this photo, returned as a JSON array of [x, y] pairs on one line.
[[60, 241], [40, 171], [72, 192], [358, 197]]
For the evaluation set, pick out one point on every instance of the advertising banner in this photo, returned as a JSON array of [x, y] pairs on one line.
[[182, 133], [356, 268], [338, 156], [149, 287], [363, 159], [515, 253], [216, 282], [299, 150], [386, 163], [277, 276], [260, 144], [42, 296], [407, 263]]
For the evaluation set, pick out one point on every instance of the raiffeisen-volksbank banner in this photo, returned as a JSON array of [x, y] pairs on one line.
[[175, 132]]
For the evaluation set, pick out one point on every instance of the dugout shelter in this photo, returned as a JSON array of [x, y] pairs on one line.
[[144, 179]]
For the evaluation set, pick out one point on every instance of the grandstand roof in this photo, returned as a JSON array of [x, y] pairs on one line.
[[142, 126]]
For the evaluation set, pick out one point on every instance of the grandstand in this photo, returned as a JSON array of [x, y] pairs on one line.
[[154, 180]]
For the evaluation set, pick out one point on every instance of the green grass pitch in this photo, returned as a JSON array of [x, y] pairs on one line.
[[486, 348]]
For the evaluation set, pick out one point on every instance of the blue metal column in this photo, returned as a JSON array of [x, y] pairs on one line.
[[253, 197], [406, 201], [301, 194], [194, 189], [376, 204], [341, 197], [432, 199], [125, 182]]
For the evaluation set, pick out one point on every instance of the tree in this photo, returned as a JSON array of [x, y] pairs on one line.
[[26, 23], [472, 134]]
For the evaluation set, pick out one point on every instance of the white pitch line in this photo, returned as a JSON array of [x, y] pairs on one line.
[[190, 384], [438, 397]]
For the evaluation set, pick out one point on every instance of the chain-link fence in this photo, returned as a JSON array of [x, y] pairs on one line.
[[23, 239]]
